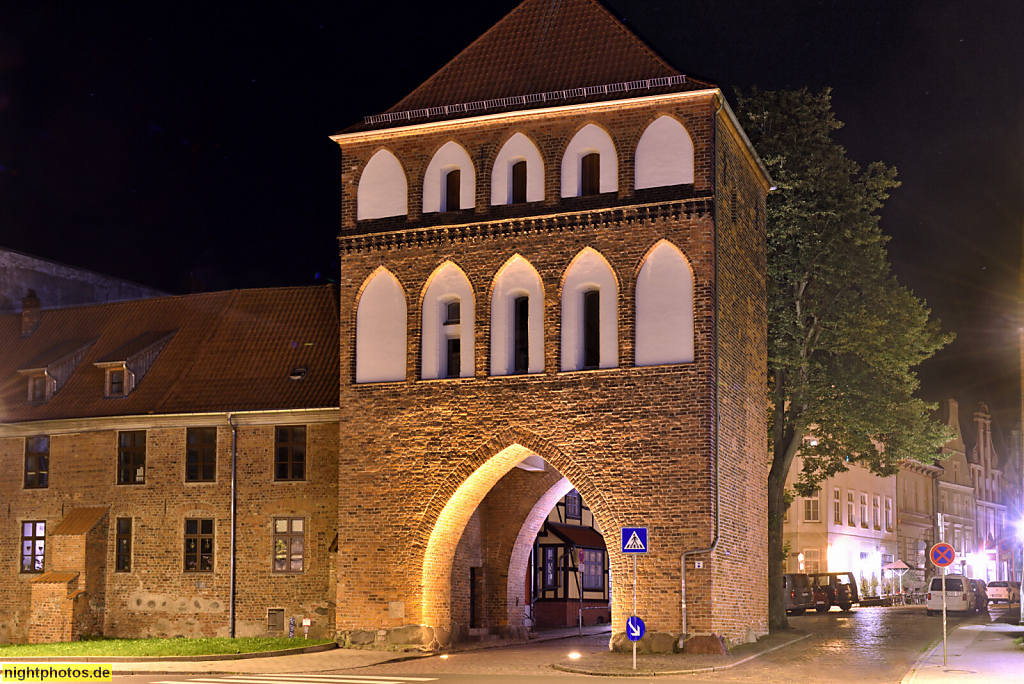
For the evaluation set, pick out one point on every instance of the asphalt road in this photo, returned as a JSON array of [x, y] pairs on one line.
[[866, 646]]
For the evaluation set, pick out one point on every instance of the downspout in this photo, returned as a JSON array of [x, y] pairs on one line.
[[717, 418], [234, 500]]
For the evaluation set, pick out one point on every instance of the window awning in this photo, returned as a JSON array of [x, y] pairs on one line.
[[576, 535]]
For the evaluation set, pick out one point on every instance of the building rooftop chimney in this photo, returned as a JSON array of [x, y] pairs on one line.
[[30, 315]]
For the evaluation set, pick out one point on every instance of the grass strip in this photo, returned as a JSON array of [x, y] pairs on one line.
[[103, 646]]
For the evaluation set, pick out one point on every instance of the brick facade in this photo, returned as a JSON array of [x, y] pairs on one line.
[[638, 443], [157, 597]]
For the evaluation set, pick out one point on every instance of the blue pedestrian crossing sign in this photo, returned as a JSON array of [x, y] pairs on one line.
[[634, 540], [635, 628]]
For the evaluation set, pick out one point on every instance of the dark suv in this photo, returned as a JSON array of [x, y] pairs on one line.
[[840, 587], [797, 590]]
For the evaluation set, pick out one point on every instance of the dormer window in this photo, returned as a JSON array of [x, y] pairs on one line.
[[38, 388], [124, 368], [119, 382], [47, 373]]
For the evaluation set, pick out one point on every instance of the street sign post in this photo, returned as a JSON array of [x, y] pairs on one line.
[[942, 555], [634, 540]]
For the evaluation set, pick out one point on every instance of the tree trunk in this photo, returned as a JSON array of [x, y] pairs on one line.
[[777, 619]]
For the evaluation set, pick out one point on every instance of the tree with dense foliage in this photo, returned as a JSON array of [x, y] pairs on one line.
[[843, 336]]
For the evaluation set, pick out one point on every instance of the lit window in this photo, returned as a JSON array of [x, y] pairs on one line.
[[199, 545], [33, 545], [37, 462], [289, 544], [550, 567], [812, 560]]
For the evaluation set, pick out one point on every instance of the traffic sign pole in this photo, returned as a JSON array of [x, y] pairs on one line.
[[634, 606], [943, 617], [942, 555]]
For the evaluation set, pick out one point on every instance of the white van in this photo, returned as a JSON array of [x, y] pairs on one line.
[[959, 597]]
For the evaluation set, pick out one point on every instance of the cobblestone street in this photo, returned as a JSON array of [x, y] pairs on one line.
[[866, 645]]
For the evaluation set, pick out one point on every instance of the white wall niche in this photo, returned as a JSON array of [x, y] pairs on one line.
[[664, 308], [591, 138], [589, 270], [381, 329], [447, 283], [664, 155], [517, 148], [383, 190], [516, 278], [449, 157]]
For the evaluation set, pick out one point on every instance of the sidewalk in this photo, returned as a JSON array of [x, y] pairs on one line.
[[977, 650]]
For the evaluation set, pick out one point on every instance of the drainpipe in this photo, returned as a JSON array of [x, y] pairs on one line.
[[717, 419], [234, 500]]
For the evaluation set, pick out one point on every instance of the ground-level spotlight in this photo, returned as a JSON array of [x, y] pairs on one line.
[[444, 656], [574, 656]]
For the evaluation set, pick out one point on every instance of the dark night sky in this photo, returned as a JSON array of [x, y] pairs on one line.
[[159, 142]]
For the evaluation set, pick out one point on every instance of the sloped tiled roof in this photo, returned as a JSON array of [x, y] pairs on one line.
[[546, 46], [233, 351], [79, 520], [55, 577], [577, 535], [140, 343]]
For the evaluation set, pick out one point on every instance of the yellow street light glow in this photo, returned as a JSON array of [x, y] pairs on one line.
[[574, 656], [444, 656]]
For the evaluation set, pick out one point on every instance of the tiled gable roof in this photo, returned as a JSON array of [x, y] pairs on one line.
[[233, 351], [547, 46]]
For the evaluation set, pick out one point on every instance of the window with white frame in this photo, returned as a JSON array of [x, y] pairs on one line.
[[837, 508], [811, 510], [888, 514], [812, 560], [864, 510], [850, 518], [876, 511]]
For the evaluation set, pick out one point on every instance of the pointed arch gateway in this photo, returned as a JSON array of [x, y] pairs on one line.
[[458, 497]]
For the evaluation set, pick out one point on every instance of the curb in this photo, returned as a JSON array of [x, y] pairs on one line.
[[699, 670]]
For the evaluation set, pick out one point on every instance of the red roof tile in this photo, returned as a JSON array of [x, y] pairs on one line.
[[577, 535], [546, 46], [233, 351]]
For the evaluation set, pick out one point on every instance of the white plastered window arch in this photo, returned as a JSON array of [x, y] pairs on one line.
[[383, 190], [590, 139], [447, 284], [516, 278], [589, 271], [664, 307], [381, 329], [664, 155], [449, 157], [517, 148]]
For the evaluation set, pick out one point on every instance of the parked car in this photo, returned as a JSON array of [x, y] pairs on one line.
[[797, 590], [840, 587], [821, 602], [1001, 590], [978, 588], [959, 596]]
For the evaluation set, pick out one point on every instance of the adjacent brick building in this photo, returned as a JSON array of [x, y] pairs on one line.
[[120, 425], [552, 253]]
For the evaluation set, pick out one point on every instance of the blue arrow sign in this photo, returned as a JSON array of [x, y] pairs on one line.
[[634, 540], [635, 628]]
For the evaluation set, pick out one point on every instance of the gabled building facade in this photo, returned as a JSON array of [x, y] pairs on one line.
[[554, 250], [169, 466]]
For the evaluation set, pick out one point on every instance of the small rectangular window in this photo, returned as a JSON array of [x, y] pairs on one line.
[[521, 335], [519, 182], [811, 510], [876, 513], [275, 619], [131, 457], [837, 510], [290, 453], [452, 313], [864, 510], [33, 545], [453, 356], [452, 189], [289, 544], [37, 388], [592, 329], [590, 174], [850, 519], [199, 545], [123, 545], [592, 569], [117, 382], [37, 462], [201, 454], [572, 505]]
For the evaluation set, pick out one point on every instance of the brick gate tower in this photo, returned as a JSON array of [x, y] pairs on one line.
[[552, 278]]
